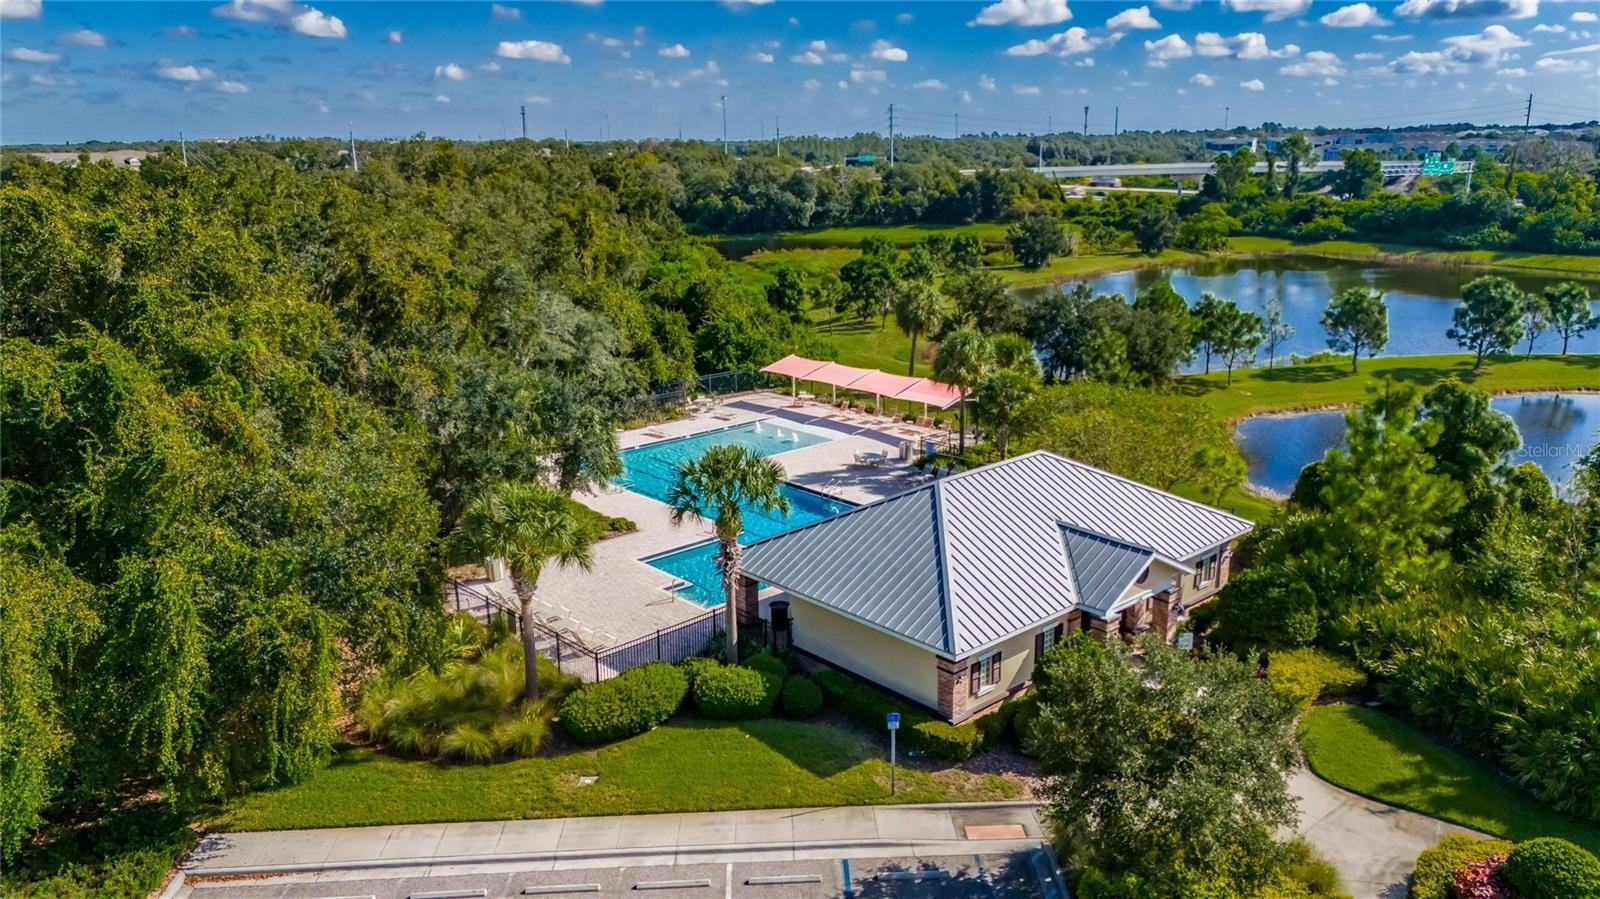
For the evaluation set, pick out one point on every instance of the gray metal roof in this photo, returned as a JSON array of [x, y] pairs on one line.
[[1102, 567], [962, 562]]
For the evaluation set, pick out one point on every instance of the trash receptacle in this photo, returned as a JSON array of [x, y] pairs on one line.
[[908, 451]]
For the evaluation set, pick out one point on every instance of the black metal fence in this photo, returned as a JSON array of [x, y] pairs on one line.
[[572, 655], [677, 393]]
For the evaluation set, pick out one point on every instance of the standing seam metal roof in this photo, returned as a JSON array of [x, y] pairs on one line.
[[965, 561]]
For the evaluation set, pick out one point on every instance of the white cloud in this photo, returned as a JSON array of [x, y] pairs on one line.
[[1468, 9], [1085, 63], [175, 31], [304, 20], [450, 72], [1068, 43], [501, 11], [1202, 79], [1391, 38], [395, 37], [808, 58], [738, 5], [315, 23], [1177, 5], [932, 84], [1173, 46], [966, 96], [1023, 12], [676, 51], [887, 52], [811, 84], [1275, 9], [1253, 84], [539, 51], [761, 56], [1025, 90], [1574, 51], [1584, 16], [1356, 15], [1432, 62], [861, 75], [1316, 64], [83, 37], [1562, 66], [21, 9], [491, 67], [1485, 47], [905, 18], [28, 54], [175, 72], [842, 84], [1512, 73], [1368, 57], [233, 87], [985, 82], [1543, 28], [1132, 19], [1247, 45], [442, 99], [536, 100]]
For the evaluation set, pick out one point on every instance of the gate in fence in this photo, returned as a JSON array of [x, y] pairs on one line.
[[572, 655]]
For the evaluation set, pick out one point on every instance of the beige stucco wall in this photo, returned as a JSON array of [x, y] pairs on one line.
[[1016, 670], [873, 654], [1160, 573]]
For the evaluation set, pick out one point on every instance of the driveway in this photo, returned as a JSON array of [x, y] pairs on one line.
[[1373, 846]]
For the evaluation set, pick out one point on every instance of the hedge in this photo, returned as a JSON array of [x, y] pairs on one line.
[[1436, 867], [1552, 868], [1308, 675], [733, 693], [628, 704], [694, 666], [919, 731], [801, 697]]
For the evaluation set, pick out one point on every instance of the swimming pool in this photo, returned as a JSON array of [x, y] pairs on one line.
[[697, 565], [650, 470]]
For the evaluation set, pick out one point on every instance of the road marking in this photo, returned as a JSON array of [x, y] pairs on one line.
[[349, 897], [671, 884], [451, 894], [728, 890], [849, 888], [783, 878], [919, 874], [548, 889]]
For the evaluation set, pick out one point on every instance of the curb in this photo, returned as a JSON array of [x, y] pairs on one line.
[[909, 845]]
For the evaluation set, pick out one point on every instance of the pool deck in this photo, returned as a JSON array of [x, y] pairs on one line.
[[622, 598]]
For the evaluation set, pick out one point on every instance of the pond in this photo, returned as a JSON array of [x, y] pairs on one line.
[[1421, 298], [1557, 430]]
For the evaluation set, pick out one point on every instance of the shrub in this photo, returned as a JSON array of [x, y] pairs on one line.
[[1552, 868], [1308, 675], [1436, 867], [620, 525], [768, 664], [628, 704], [1027, 712], [1482, 879], [732, 693], [801, 697], [919, 731], [694, 666], [1323, 227]]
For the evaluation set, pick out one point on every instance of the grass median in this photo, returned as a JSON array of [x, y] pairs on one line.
[[1381, 757], [682, 766]]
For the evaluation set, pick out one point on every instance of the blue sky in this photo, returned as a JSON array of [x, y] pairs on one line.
[[136, 70]]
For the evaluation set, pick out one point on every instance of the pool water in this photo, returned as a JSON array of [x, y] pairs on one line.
[[651, 469], [697, 565], [1557, 430]]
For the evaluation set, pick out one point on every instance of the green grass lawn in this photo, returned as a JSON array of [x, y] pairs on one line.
[[900, 235], [1381, 757], [1331, 384], [1555, 264], [685, 765]]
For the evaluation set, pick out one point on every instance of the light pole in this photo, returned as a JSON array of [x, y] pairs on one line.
[[724, 99]]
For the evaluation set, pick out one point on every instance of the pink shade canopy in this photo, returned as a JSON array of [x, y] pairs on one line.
[[794, 366], [884, 384], [940, 396], [839, 375]]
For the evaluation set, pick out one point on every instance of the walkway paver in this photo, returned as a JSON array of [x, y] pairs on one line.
[[755, 834], [1374, 846]]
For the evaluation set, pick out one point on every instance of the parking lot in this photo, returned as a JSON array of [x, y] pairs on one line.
[[1026, 874]]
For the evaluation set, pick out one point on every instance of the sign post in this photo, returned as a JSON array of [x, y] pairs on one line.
[[894, 725]]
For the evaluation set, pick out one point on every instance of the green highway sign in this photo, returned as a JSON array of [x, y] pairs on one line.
[[1434, 165]]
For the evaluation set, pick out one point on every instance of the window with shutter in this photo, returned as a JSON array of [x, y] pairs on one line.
[[975, 679]]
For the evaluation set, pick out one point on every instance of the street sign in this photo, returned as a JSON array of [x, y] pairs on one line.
[[894, 720], [1434, 165], [894, 725]]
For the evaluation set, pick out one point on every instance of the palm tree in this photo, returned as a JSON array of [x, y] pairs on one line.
[[527, 524], [720, 485], [917, 312], [965, 356]]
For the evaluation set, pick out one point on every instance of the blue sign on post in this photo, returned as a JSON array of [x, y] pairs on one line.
[[894, 720], [894, 725]]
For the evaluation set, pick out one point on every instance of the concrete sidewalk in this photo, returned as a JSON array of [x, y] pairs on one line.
[[690, 838]]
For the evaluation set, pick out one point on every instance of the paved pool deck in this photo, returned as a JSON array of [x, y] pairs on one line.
[[622, 598]]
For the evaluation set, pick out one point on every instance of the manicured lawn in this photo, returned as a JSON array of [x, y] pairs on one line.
[[1332, 384], [1237, 500], [1555, 264], [685, 765], [1381, 757]]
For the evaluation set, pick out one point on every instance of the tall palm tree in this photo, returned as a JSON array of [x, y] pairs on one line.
[[917, 312], [720, 485], [527, 524], [965, 357]]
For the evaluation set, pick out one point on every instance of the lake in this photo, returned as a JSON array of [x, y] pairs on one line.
[[1557, 430], [1421, 298]]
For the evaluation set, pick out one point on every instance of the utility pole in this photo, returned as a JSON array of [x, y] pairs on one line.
[[891, 135], [524, 122], [183, 148], [608, 128], [1225, 111], [1050, 124], [777, 132], [1086, 121], [1527, 119], [565, 139], [1116, 121], [1040, 140], [724, 99], [355, 161]]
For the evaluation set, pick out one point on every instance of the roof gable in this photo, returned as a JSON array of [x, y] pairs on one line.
[[1102, 567]]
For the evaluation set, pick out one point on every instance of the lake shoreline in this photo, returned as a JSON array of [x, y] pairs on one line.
[[1290, 411]]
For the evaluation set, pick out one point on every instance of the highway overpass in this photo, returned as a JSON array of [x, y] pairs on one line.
[[1391, 169]]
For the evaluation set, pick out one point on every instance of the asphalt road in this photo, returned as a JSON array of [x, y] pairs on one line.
[[1019, 875]]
